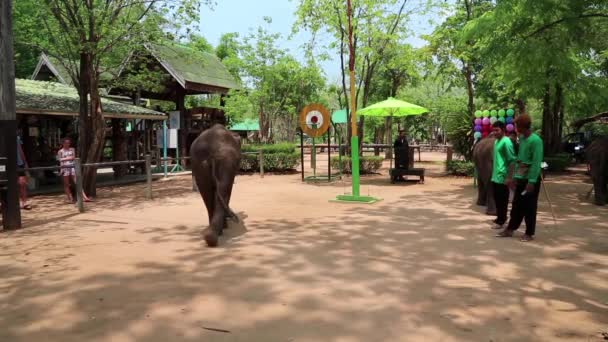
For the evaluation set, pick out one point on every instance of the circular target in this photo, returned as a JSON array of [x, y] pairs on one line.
[[314, 120]]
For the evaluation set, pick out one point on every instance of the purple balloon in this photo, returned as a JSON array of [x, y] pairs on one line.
[[477, 122], [510, 120], [478, 128], [510, 128], [486, 121]]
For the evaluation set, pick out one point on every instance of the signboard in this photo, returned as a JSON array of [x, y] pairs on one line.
[[174, 119], [171, 138]]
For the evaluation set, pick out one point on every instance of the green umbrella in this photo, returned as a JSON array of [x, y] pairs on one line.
[[392, 107]]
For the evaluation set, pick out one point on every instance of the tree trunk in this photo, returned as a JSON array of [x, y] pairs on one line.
[[521, 106], [119, 147], [98, 131], [83, 111], [547, 124], [388, 123]]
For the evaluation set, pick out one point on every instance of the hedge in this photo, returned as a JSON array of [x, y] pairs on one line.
[[367, 164], [461, 168], [270, 149], [558, 162], [276, 162]]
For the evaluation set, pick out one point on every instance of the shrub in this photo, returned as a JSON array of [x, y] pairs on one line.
[[558, 162], [277, 162], [270, 149], [461, 168], [367, 164]]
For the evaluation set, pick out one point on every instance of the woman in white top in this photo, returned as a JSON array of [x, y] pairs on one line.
[[66, 156]]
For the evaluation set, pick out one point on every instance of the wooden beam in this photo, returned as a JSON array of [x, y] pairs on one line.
[[11, 214]]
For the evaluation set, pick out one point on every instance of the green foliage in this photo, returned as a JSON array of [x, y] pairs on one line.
[[270, 148], [367, 164], [558, 162], [461, 168], [274, 162], [277, 85]]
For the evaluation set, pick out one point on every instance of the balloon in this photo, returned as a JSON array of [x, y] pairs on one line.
[[478, 114], [510, 112], [487, 128], [477, 122], [486, 113], [502, 113], [493, 120], [493, 112], [509, 120], [486, 121], [502, 120], [485, 134], [477, 135], [477, 128], [510, 128]]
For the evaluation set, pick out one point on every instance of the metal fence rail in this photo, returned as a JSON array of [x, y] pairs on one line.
[[78, 167]]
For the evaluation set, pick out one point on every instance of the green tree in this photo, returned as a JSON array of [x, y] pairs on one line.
[[376, 24], [87, 34], [544, 50], [277, 85]]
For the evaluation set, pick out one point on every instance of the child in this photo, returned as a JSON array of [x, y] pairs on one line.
[[66, 156]]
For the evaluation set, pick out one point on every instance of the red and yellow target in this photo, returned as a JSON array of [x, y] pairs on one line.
[[314, 120]]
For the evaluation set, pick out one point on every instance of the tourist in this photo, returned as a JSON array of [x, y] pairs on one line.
[[66, 156], [504, 156], [402, 153], [527, 180], [22, 175]]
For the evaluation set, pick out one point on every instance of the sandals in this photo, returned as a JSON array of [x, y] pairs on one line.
[[526, 238], [505, 233]]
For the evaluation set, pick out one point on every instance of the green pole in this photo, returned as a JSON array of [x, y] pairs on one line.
[[355, 164]]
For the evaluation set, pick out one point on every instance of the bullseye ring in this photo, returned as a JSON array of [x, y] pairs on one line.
[[314, 120]]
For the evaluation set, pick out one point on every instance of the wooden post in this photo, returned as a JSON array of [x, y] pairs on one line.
[[329, 154], [449, 157], [302, 153], [11, 214], [262, 163], [79, 199], [148, 176]]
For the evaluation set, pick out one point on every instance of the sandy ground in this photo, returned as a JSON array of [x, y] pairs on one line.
[[422, 265]]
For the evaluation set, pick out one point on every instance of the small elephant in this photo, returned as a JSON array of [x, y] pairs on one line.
[[597, 156], [483, 154], [216, 157]]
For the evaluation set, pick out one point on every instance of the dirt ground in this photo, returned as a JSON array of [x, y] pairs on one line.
[[421, 265]]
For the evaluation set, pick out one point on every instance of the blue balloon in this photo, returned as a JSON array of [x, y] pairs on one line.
[[509, 120], [478, 128], [477, 135]]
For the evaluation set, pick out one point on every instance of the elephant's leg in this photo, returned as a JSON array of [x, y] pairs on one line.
[[599, 185], [223, 187], [227, 198], [205, 186], [482, 192]]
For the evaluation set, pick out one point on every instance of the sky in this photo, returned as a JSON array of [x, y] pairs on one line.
[[243, 15]]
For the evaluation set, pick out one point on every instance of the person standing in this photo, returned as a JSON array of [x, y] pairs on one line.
[[402, 153], [66, 156], [527, 180], [504, 156]]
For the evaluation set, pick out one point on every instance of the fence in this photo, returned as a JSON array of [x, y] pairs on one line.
[[78, 167]]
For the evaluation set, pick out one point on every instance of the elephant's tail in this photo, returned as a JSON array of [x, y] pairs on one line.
[[219, 195]]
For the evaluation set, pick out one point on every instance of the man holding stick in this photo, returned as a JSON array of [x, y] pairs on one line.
[[527, 180]]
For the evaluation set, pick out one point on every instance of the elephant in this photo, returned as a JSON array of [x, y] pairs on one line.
[[483, 154], [597, 157], [216, 157]]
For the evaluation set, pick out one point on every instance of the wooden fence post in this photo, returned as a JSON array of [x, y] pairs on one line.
[[148, 176], [79, 199], [262, 163]]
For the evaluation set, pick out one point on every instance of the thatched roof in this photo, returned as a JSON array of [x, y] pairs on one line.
[[52, 69], [51, 98], [194, 70]]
